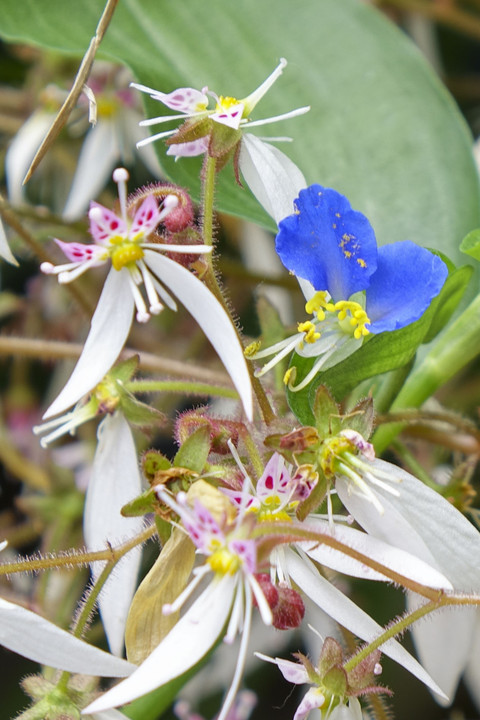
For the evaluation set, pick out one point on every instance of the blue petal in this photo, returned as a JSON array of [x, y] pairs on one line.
[[408, 277], [328, 243]]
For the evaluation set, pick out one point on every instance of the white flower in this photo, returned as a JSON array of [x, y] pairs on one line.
[[135, 261], [423, 523], [110, 138], [226, 602], [193, 106]]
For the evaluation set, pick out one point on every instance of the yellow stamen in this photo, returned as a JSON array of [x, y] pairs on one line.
[[311, 334], [318, 304], [126, 254], [330, 454], [224, 562], [225, 103], [356, 322], [252, 349]]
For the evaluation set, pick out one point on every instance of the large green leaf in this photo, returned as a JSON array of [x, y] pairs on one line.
[[382, 129]]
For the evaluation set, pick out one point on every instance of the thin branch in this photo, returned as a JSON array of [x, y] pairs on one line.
[[75, 92]]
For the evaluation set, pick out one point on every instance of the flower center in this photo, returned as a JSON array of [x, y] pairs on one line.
[[330, 454], [351, 317], [224, 562], [126, 253], [225, 103]]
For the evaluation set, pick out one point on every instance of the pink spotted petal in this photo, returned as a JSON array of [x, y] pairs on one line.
[[80, 252], [106, 225], [189, 149], [146, 218], [247, 551], [275, 480], [206, 520], [184, 100], [231, 117], [244, 499]]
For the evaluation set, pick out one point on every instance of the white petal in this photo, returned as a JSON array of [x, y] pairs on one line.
[[99, 153], [271, 176], [110, 715], [472, 673], [22, 151], [115, 480], [212, 318], [294, 672], [398, 560], [109, 329], [428, 526], [185, 645], [34, 637], [345, 612], [5, 251]]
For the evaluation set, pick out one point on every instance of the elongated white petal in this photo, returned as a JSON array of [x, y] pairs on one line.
[[115, 480], [185, 645], [212, 318], [110, 715], [398, 560], [34, 637], [109, 329], [100, 151], [422, 522], [345, 612], [271, 176], [5, 251], [22, 150]]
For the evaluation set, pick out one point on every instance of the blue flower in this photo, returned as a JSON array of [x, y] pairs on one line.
[[354, 288]]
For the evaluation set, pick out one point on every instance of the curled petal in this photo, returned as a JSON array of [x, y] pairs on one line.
[[109, 329], [313, 699], [328, 243], [271, 176], [407, 279], [212, 318], [294, 672], [183, 100], [189, 149]]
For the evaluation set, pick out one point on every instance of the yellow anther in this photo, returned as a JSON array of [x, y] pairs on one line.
[[318, 304], [126, 254], [361, 262], [224, 562], [272, 501], [266, 515], [355, 321], [225, 103], [252, 349], [330, 454], [311, 333], [289, 375]]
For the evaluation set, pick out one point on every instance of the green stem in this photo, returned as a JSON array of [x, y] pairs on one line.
[[208, 199], [74, 558], [212, 283], [452, 351], [396, 629], [85, 613], [178, 386]]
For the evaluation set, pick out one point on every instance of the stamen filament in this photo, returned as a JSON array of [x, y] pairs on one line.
[[142, 314], [120, 176], [156, 306]]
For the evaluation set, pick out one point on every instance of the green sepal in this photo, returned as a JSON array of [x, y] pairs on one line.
[[141, 505], [139, 413], [154, 462], [194, 451], [124, 371], [470, 244], [191, 130], [326, 413], [223, 140], [360, 418]]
